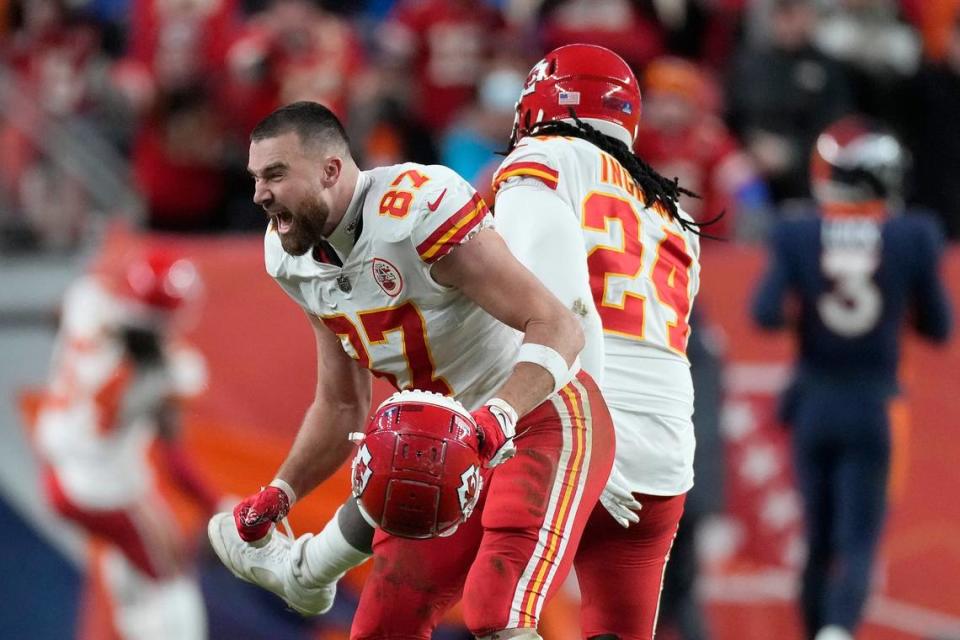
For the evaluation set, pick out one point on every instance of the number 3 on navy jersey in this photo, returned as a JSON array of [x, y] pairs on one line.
[[853, 306], [623, 311]]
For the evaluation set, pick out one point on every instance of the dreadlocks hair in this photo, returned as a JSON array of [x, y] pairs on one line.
[[655, 187]]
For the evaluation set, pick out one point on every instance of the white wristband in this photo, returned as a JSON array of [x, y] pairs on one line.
[[549, 359], [286, 488]]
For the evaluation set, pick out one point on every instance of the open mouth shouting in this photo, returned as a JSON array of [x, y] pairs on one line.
[[283, 220]]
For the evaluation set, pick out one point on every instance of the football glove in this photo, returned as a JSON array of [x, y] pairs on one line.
[[256, 514], [619, 501], [497, 425]]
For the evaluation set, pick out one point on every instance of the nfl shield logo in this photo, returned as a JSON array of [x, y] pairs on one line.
[[618, 104]]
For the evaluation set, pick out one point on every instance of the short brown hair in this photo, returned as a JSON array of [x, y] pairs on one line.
[[312, 122]]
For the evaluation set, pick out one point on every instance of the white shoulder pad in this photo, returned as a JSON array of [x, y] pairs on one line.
[[444, 211], [393, 185], [89, 309], [537, 158], [402, 194]]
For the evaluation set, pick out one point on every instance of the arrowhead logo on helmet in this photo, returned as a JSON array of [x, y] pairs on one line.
[[417, 473], [471, 482], [361, 470]]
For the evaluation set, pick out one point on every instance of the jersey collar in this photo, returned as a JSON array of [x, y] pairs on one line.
[[345, 236]]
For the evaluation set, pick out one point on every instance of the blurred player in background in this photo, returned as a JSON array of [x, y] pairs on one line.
[[400, 275], [683, 136], [625, 257], [118, 377], [846, 282]]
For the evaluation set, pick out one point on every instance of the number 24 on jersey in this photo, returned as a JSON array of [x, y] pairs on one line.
[[670, 273]]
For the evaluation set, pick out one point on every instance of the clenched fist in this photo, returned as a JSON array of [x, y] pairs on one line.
[[255, 514], [497, 423]]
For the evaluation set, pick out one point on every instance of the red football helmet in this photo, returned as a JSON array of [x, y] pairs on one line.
[[417, 471], [159, 281], [855, 161], [593, 81]]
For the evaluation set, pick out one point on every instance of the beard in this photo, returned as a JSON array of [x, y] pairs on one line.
[[306, 229]]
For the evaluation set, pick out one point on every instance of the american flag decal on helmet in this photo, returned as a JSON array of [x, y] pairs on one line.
[[569, 97]]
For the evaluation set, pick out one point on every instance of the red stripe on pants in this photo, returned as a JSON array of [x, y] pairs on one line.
[[415, 581]]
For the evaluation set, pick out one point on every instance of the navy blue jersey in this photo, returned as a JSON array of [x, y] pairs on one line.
[[856, 281]]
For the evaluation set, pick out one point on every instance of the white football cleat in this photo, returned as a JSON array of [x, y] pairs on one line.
[[275, 566]]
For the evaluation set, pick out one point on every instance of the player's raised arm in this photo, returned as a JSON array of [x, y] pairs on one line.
[[486, 272], [543, 232], [340, 406]]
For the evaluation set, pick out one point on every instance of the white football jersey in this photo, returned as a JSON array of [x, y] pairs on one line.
[[644, 273], [96, 423], [388, 311]]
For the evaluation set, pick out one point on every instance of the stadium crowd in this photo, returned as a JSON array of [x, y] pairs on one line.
[[143, 109], [161, 95]]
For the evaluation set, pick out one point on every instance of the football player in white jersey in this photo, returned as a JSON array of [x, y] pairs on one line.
[[570, 180], [118, 377], [400, 274]]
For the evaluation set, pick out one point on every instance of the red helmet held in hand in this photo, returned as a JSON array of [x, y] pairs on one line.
[[594, 81], [417, 471]]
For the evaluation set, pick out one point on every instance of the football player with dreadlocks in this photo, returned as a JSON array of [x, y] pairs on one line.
[[855, 273], [626, 259]]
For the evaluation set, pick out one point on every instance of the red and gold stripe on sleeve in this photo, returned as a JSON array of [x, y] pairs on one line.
[[453, 230], [543, 173]]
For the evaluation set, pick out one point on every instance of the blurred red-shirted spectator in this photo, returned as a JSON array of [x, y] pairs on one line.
[[293, 50], [51, 56], [52, 62], [173, 78], [681, 135], [703, 31], [444, 44], [181, 40], [178, 161], [629, 27], [934, 19]]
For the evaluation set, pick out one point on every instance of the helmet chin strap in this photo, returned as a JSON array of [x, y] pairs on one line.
[[607, 128]]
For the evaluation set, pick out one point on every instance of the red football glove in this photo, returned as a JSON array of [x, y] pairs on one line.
[[497, 423], [255, 514]]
